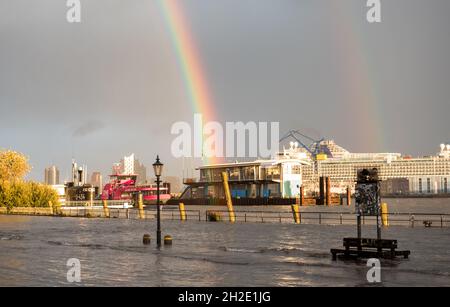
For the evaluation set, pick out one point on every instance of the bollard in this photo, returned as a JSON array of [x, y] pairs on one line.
[[412, 221], [146, 239], [141, 206], [167, 240], [50, 204], [328, 191], [182, 212], [105, 208], [302, 195], [296, 213], [384, 214], [349, 196]]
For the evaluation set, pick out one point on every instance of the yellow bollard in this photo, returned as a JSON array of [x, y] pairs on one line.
[[384, 214], [105, 208], [141, 206], [226, 188], [146, 239], [349, 196], [296, 213], [50, 204], [167, 240], [182, 212]]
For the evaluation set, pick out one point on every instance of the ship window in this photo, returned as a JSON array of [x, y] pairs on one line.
[[296, 169], [234, 173], [273, 172], [248, 173]]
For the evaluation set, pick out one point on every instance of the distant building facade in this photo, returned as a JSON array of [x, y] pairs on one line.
[[97, 181], [51, 176], [282, 176], [129, 165]]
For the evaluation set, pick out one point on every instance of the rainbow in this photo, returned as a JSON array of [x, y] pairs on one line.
[[189, 61], [358, 80]]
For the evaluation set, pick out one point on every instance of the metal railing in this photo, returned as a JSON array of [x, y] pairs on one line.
[[97, 203], [337, 218], [79, 209]]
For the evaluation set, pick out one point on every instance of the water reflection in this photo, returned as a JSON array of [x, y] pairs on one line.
[[205, 254]]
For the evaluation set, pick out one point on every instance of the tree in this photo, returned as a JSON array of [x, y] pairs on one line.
[[13, 166]]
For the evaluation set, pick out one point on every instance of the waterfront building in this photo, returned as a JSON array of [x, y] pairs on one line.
[[97, 181], [292, 168], [51, 176], [280, 177], [129, 165]]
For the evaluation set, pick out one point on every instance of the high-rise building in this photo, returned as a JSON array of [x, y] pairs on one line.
[[51, 175], [79, 174], [97, 181], [129, 165]]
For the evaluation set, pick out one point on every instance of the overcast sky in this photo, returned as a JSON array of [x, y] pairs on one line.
[[111, 85]]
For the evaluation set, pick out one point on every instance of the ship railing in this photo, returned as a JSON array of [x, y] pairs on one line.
[[97, 203]]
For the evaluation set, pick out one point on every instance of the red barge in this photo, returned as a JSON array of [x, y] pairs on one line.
[[124, 187]]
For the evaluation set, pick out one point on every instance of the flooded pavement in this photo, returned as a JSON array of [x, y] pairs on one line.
[[34, 252]]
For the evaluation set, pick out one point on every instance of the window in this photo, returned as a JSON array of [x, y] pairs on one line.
[[273, 172]]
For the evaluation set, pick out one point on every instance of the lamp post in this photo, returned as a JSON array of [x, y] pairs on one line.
[[157, 168]]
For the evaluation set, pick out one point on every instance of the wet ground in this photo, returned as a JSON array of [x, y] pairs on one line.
[[34, 252]]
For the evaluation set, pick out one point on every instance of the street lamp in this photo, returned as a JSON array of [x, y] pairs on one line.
[[157, 168]]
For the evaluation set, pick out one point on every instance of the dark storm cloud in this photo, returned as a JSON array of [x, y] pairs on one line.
[[87, 128]]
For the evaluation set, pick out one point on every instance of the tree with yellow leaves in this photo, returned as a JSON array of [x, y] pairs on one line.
[[14, 191], [14, 166]]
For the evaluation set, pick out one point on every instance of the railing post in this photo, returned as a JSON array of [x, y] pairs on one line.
[[412, 221], [340, 218], [320, 218], [442, 224]]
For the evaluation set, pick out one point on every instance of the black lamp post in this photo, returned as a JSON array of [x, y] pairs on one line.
[[158, 167]]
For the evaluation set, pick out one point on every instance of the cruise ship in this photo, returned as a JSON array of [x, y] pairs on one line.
[[279, 180]]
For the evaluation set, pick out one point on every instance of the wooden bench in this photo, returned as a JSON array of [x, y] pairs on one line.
[[368, 248]]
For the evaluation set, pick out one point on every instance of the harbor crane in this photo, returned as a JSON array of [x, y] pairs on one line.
[[314, 148]]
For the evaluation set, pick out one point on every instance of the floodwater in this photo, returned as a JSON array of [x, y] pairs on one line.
[[34, 252]]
